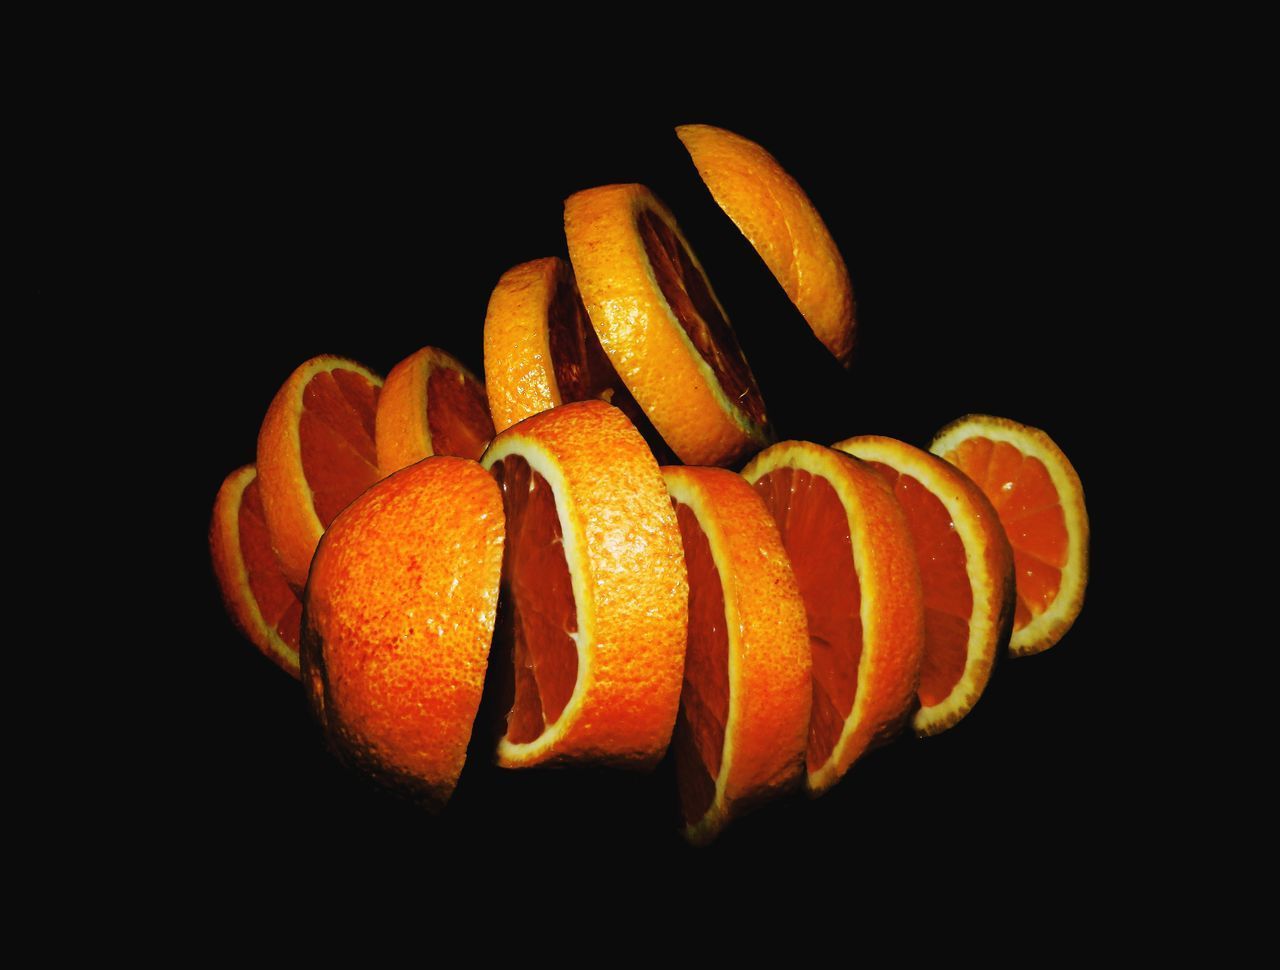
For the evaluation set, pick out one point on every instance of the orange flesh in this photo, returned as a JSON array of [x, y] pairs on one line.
[[279, 607], [689, 297], [536, 585], [339, 458], [704, 699], [948, 596], [815, 532], [1030, 510], [457, 414]]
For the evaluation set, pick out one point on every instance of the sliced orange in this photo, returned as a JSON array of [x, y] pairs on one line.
[[966, 568], [255, 592], [778, 219], [316, 452], [430, 405], [595, 587], [744, 709], [1040, 501], [851, 551], [659, 321], [399, 614]]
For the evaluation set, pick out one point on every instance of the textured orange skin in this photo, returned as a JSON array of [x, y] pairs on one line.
[[776, 216], [632, 560], [402, 434], [397, 620], [639, 333], [893, 629], [772, 689], [992, 589], [286, 497], [229, 568], [518, 371]]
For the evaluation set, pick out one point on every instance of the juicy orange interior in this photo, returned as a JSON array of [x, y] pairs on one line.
[[815, 532], [280, 608], [704, 698], [339, 457], [1030, 510], [948, 595], [689, 296], [457, 414], [539, 595]]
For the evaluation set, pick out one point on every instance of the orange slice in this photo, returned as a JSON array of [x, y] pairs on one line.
[[851, 551], [1040, 501], [661, 325], [966, 569], [316, 452], [255, 592], [595, 590], [744, 708], [778, 219], [430, 405], [399, 614]]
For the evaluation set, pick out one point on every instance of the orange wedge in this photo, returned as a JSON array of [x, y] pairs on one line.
[[399, 614], [430, 405], [255, 592], [744, 708], [1040, 501], [778, 219], [661, 325], [851, 551], [316, 452], [595, 589], [966, 568]]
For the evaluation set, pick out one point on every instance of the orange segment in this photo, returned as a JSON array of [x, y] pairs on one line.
[[254, 590], [851, 550], [1040, 502], [430, 405], [316, 453]]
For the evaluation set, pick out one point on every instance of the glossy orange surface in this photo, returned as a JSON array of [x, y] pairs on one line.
[[280, 608], [336, 431], [457, 414]]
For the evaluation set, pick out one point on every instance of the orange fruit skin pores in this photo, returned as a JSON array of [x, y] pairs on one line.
[[398, 617]]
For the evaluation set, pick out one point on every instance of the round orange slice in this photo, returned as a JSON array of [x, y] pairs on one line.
[[659, 321], [594, 588], [783, 226], [398, 618], [254, 590], [966, 569], [744, 709], [316, 452], [1040, 501], [430, 405], [851, 551]]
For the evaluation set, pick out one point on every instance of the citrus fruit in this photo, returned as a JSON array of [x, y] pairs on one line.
[[851, 551], [783, 226], [966, 569], [661, 325], [430, 405], [316, 452], [594, 589], [744, 709], [254, 590], [1040, 501], [397, 622]]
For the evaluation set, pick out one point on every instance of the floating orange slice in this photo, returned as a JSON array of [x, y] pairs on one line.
[[316, 452], [255, 592], [430, 405], [966, 568], [661, 325], [778, 219], [744, 710], [851, 550], [1040, 501], [398, 619], [595, 587]]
